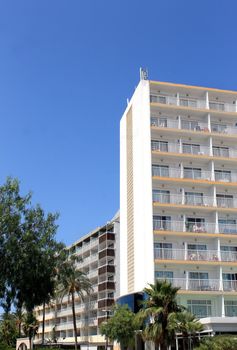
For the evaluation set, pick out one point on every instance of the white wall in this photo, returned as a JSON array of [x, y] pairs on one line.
[[142, 186]]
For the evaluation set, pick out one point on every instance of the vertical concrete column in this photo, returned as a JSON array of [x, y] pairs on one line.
[[184, 226], [207, 100], [185, 250], [183, 196], [222, 306], [180, 145], [181, 170], [210, 145], [214, 196], [209, 121], [212, 171], [177, 99], [219, 249], [186, 280], [221, 279], [216, 223], [179, 122]]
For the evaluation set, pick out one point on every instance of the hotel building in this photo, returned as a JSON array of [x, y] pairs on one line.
[[178, 196], [96, 256]]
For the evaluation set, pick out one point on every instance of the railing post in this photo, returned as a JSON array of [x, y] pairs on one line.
[[185, 251]]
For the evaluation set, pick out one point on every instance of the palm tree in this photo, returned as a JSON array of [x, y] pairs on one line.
[[186, 324], [30, 326], [159, 306], [70, 282], [19, 316]]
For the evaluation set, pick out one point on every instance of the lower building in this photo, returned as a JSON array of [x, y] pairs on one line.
[[96, 256]]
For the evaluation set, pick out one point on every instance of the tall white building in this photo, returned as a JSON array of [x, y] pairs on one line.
[[96, 256], [178, 196]]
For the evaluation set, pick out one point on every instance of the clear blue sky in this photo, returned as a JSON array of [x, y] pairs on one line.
[[66, 69]]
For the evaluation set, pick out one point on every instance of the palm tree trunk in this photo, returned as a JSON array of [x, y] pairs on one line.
[[43, 323], [74, 320]]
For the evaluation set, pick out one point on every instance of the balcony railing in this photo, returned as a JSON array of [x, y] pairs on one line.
[[195, 284], [202, 284], [198, 227], [193, 103], [189, 254], [171, 147], [173, 198], [173, 225]]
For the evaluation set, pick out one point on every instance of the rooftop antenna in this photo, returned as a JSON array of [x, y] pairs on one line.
[[143, 73]]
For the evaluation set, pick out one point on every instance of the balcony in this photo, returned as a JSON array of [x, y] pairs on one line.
[[189, 254], [198, 227], [223, 129], [179, 199], [193, 103], [205, 285]]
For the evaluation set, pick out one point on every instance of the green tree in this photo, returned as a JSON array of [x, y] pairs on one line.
[[19, 316], [158, 309], [71, 282], [121, 326], [218, 343], [186, 324], [8, 329], [30, 326], [28, 250]]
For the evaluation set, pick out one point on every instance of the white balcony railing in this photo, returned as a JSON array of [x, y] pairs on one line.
[[189, 254], [172, 198], [226, 202], [193, 103], [195, 284], [171, 147]]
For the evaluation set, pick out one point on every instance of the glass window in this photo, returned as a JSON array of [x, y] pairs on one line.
[[230, 308], [165, 275], [189, 125], [162, 222], [160, 170], [193, 198], [195, 225], [223, 175], [200, 308], [220, 151], [191, 148], [161, 196], [161, 146], [163, 250], [192, 173]]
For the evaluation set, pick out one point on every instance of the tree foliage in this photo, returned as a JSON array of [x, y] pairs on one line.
[[8, 330], [159, 308], [121, 326], [219, 343], [72, 282], [28, 250]]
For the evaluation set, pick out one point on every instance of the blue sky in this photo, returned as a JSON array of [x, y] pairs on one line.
[[66, 69]]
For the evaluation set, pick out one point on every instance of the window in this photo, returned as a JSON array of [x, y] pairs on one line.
[[227, 225], [162, 222], [193, 198], [189, 124], [192, 173], [188, 103], [163, 250], [164, 275], [220, 151], [224, 200], [159, 122], [228, 253], [223, 175], [195, 225], [161, 196], [161, 146], [191, 148], [229, 281], [160, 170], [197, 251], [217, 106], [200, 308], [230, 308], [221, 128]]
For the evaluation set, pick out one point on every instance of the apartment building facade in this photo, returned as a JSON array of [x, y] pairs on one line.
[[96, 256], [178, 196]]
